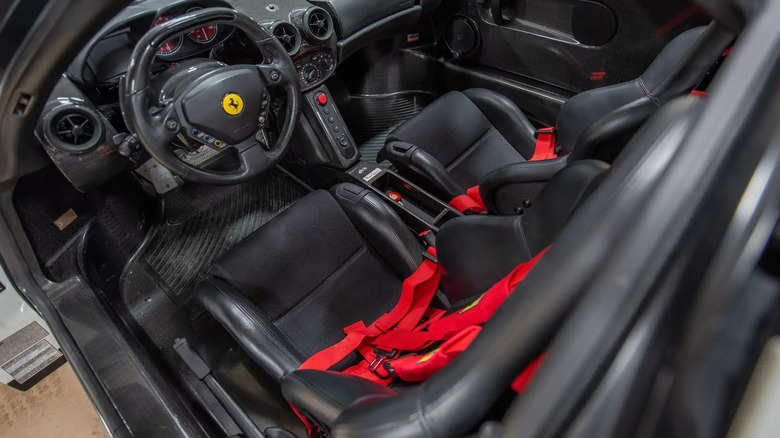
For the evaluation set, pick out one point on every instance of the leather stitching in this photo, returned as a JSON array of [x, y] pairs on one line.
[[521, 233]]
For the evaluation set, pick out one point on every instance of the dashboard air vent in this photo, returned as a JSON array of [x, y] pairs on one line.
[[73, 129], [288, 36], [317, 24]]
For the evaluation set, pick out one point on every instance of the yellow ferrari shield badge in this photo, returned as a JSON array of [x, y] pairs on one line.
[[233, 104]]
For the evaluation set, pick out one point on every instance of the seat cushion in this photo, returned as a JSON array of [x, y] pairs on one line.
[[456, 132], [311, 274]]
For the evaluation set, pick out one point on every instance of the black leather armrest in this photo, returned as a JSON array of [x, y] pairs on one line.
[[518, 173], [393, 241], [323, 395], [408, 158]]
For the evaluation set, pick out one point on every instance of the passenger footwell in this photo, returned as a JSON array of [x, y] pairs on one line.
[[371, 118]]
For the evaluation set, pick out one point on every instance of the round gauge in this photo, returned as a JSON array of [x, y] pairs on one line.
[[169, 47], [205, 34]]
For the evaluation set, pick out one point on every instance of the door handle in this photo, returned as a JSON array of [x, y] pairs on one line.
[[497, 11]]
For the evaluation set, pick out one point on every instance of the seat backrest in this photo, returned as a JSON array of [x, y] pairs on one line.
[[477, 251], [599, 116]]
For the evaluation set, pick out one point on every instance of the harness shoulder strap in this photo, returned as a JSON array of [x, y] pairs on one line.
[[416, 295], [470, 201]]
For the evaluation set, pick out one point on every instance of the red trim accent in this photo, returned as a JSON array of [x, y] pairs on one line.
[[471, 201], [598, 75], [698, 93], [727, 52], [677, 20]]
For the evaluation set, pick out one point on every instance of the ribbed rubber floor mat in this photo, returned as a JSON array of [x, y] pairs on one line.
[[372, 118], [185, 246]]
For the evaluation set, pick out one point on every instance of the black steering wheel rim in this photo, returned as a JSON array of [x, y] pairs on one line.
[[156, 131]]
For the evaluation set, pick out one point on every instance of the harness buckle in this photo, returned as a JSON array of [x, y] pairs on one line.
[[381, 360]]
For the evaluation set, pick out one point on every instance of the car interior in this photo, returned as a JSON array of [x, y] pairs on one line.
[[241, 185]]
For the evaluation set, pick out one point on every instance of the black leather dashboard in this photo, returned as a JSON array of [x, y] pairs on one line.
[[354, 15]]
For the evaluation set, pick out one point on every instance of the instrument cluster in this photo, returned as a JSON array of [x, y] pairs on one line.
[[194, 42], [105, 60]]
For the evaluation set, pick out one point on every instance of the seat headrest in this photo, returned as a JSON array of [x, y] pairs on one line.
[[733, 14]]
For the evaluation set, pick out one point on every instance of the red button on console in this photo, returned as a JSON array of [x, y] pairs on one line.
[[322, 99]]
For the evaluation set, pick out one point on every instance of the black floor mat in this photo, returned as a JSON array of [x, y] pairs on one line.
[[200, 227], [372, 118], [40, 199]]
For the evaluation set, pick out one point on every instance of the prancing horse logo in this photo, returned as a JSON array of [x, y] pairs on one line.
[[233, 104]]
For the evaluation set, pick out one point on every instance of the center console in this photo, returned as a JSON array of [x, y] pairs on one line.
[[418, 208], [326, 141], [323, 120]]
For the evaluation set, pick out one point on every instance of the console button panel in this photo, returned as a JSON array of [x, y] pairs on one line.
[[332, 129]]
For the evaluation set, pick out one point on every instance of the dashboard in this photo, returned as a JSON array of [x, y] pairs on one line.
[[317, 34], [306, 31]]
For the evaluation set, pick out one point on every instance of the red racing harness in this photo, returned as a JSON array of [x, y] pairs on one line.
[[413, 341], [472, 202]]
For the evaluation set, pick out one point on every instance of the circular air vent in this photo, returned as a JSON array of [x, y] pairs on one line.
[[287, 35], [317, 24], [73, 128]]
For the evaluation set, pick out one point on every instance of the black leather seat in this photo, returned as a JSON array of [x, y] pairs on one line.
[[458, 140], [334, 258]]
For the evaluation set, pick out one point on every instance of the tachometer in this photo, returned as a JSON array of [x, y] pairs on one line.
[[172, 46], [205, 34]]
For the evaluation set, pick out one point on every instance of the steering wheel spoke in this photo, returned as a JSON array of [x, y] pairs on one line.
[[253, 156], [272, 74], [167, 116]]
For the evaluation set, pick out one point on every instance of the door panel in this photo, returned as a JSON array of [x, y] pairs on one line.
[[576, 44]]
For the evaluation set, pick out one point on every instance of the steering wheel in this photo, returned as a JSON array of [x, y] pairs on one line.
[[222, 107]]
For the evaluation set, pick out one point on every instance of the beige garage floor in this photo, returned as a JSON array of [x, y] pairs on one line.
[[56, 407]]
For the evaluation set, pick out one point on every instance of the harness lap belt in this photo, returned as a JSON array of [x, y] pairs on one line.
[[545, 150], [545, 145], [413, 341]]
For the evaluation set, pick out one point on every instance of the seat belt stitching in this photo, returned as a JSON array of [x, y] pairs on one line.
[[522, 235]]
